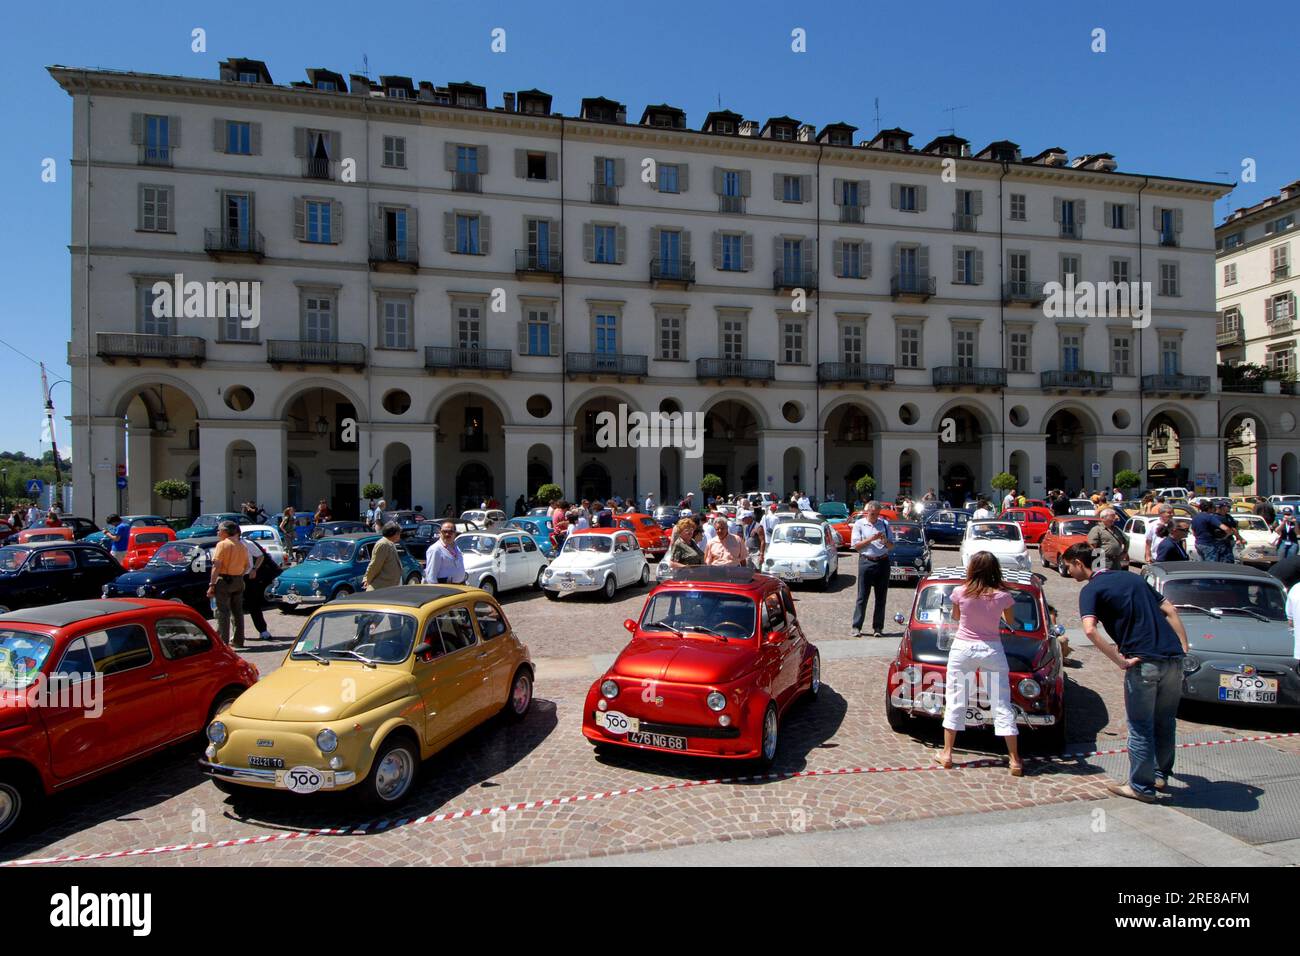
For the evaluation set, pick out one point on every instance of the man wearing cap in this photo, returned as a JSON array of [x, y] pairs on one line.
[[226, 585], [687, 503], [385, 567]]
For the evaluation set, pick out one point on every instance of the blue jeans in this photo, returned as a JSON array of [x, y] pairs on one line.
[[1286, 549], [1152, 689]]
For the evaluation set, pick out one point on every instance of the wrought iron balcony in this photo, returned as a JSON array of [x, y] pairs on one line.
[[1187, 384], [604, 195], [911, 285], [852, 214], [1233, 380], [136, 346], [468, 182], [672, 270], [855, 372], [794, 278], [732, 204], [233, 243], [1078, 379], [538, 262], [963, 222], [155, 155], [973, 375], [475, 360], [604, 363], [383, 251], [1070, 230], [1230, 335], [1168, 239], [1281, 326], [314, 168], [755, 369], [1020, 292], [299, 352]]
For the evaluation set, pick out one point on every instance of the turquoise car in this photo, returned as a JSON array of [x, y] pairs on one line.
[[833, 510], [537, 528], [207, 524], [335, 567]]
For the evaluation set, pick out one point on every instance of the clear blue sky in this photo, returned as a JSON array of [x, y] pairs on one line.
[[1186, 89]]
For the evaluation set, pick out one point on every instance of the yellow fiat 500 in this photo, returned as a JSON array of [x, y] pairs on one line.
[[375, 684]]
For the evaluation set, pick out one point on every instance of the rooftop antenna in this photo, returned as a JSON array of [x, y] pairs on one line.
[[365, 65], [877, 114], [952, 118]]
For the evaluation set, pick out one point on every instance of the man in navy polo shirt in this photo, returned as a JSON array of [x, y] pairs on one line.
[[1211, 534], [1149, 645]]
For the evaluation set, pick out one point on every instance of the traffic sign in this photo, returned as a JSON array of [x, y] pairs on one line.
[[121, 481], [121, 471], [35, 487], [1096, 469], [1273, 468]]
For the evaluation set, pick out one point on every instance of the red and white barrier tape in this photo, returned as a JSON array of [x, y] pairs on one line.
[[373, 826]]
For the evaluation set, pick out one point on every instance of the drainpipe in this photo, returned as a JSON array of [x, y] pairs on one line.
[[1002, 330], [1142, 435], [85, 258], [564, 358], [371, 322], [817, 338]]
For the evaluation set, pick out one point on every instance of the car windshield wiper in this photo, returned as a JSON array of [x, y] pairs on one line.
[[1245, 610], [314, 656], [705, 629], [352, 653], [663, 625], [1213, 612]]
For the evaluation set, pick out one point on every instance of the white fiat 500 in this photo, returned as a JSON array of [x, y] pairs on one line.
[[802, 551], [1002, 539], [596, 559], [501, 562], [268, 538], [484, 519]]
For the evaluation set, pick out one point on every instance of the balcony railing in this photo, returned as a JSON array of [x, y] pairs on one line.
[[133, 345], [604, 363], [1168, 239], [851, 214], [476, 360], [314, 168], [757, 369], [1230, 335], [468, 182], [911, 283], [403, 252], [1231, 380], [1283, 271], [1070, 230], [1190, 384], [1021, 292], [1078, 378], [856, 372], [240, 242], [604, 195], [672, 270], [1282, 325], [155, 155], [963, 222], [794, 278], [298, 352], [734, 204], [538, 261], [969, 375]]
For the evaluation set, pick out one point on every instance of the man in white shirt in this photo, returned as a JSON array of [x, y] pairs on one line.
[[649, 505], [1010, 500], [445, 563], [1164, 517], [873, 541], [804, 503], [1293, 615], [983, 512], [769, 521], [1117, 498], [34, 517]]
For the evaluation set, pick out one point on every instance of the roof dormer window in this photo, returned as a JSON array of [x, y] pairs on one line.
[[329, 86], [249, 78]]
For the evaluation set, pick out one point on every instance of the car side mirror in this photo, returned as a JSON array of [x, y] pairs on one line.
[[630, 626], [423, 650], [899, 618], [776, 637], [1057, 630]]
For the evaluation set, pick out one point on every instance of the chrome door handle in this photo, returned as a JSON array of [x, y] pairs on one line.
[[159, 677], [483, 655]]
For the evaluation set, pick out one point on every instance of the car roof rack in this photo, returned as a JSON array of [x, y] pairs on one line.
[[724, 574], [959, 574]]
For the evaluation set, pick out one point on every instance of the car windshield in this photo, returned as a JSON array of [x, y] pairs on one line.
[[1082, 504], [205, 521], [477, 543], [1075, 527], [934, 606], [476, 516], [1250, 523], [907, 533], [21, 657], [331, 549], [995, 532], [587, 542], [519, 524], [261, 535], [1261, 597], [383, 637], [833, 509], [700, 614], [790, 533]]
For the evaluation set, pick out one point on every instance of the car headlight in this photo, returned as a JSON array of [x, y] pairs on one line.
[[217, 732], [716, 701], [919, 563], [142, 591], [1191, 663], [550, 572], [1029, 688], [327, 741], [103, 592], [768, 563], [609, 689]]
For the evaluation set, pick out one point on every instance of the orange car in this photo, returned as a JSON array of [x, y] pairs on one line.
[[1061, 533], [649, 535], [142, 544], [44, 533]]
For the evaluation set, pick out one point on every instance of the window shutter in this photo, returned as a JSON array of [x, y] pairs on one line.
[[255, 138], [618, 172], [837, 257], [555, 338], [717, 250], [956, 265], [837, 192], [299, 218], [864, 192], [219, 135], [777, 182], [1130, 216], [299, 141], [977, 201], [809, 248], [979, 267], [866, 260], [139, 207], [923, 261], [1155, 218], [449, 231], [449, 156], [717, 180], [521, 164], [589, 241], [654, 241], [805, 188], [1080, 211], [745, 183], [336, 222], [1107, 212], [484, 234], [523, 335], [552, 166], [778, 248], [1056, 208], [335, 149], [557, 242], [747, 252], [683, 177], [413, 229], [898, 258], [137, 128], [1178, 220], [620, 244], [893, 196], [173, 132], [686, 246], [482, 160], [920, 198]]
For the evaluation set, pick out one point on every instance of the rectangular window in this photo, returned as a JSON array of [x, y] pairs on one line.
[[395, 152], [539, 332], [963, 348], [792, 261], [670, 253], [606, 244], [1230, 274], [1168, 232], [1119, 273], [1281, 262], [733, 253], [234, 330], [907, 198], [1280, 308], [1071, 351], [1117, 212], [1279, 225], [1070, 269], [396, 333], [1169, 278], [239, 138], [156, 208], [467, 159], [1281, 360], [852, 253], [1232, 241], [157, 140], [1169, 356], [1069, 224], [792, 188], [909, 347], [792, 341], [606, 334], [851, 344], [668, 178], [1018, 343], [469, 329], [467, 234], [148, 323], [733, 339], [670, 337], [1018, 272], [731, 183], [1017, 207], [318, 220], [539, 243], [1121, 352], [965, 267], [535, 167], [318, 319]]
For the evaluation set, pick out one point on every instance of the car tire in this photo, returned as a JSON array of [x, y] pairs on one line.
[[551, 595], [537, 582], [520, 699], [609, 588], [896, 719], [769, 737], [18, 799], [392, 773], [343, 591], [815, 686], [645, 576], [488, 586], [220, 704]]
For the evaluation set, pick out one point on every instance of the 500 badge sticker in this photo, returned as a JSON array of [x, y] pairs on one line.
[[304, 779]]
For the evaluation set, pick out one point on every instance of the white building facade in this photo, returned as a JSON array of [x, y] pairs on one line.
[[450, 293]]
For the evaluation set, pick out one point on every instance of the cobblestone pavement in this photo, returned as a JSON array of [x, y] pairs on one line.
[[165, 801]]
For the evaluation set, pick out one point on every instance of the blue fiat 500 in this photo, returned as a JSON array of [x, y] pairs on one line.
[[335, 567], [537, 528]]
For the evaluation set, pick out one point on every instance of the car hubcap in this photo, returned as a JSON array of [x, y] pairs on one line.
[[489, 587], [609, 586], [817, 674], [10, 803], [523, 693], [769, 735], [394, 774]]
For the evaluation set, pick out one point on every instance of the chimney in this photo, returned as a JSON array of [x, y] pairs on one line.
[[509, 100]]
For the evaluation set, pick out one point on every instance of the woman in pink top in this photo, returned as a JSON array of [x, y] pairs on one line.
[[978, 608]]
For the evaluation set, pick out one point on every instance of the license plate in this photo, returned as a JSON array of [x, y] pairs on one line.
[[976, 717], [897, 574], [291, 599], [790, 576], [273, 763], [567, 584], [657, 740], [1248, 689], [304, 779], [617, 723]]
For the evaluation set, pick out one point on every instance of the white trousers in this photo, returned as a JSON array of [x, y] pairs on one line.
[[994, 685]]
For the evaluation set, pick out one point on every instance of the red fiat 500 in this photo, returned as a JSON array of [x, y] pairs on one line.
[[1033, 522], [142, 544], [715, 661], [649, 535], [914, 685], [87, 686]]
